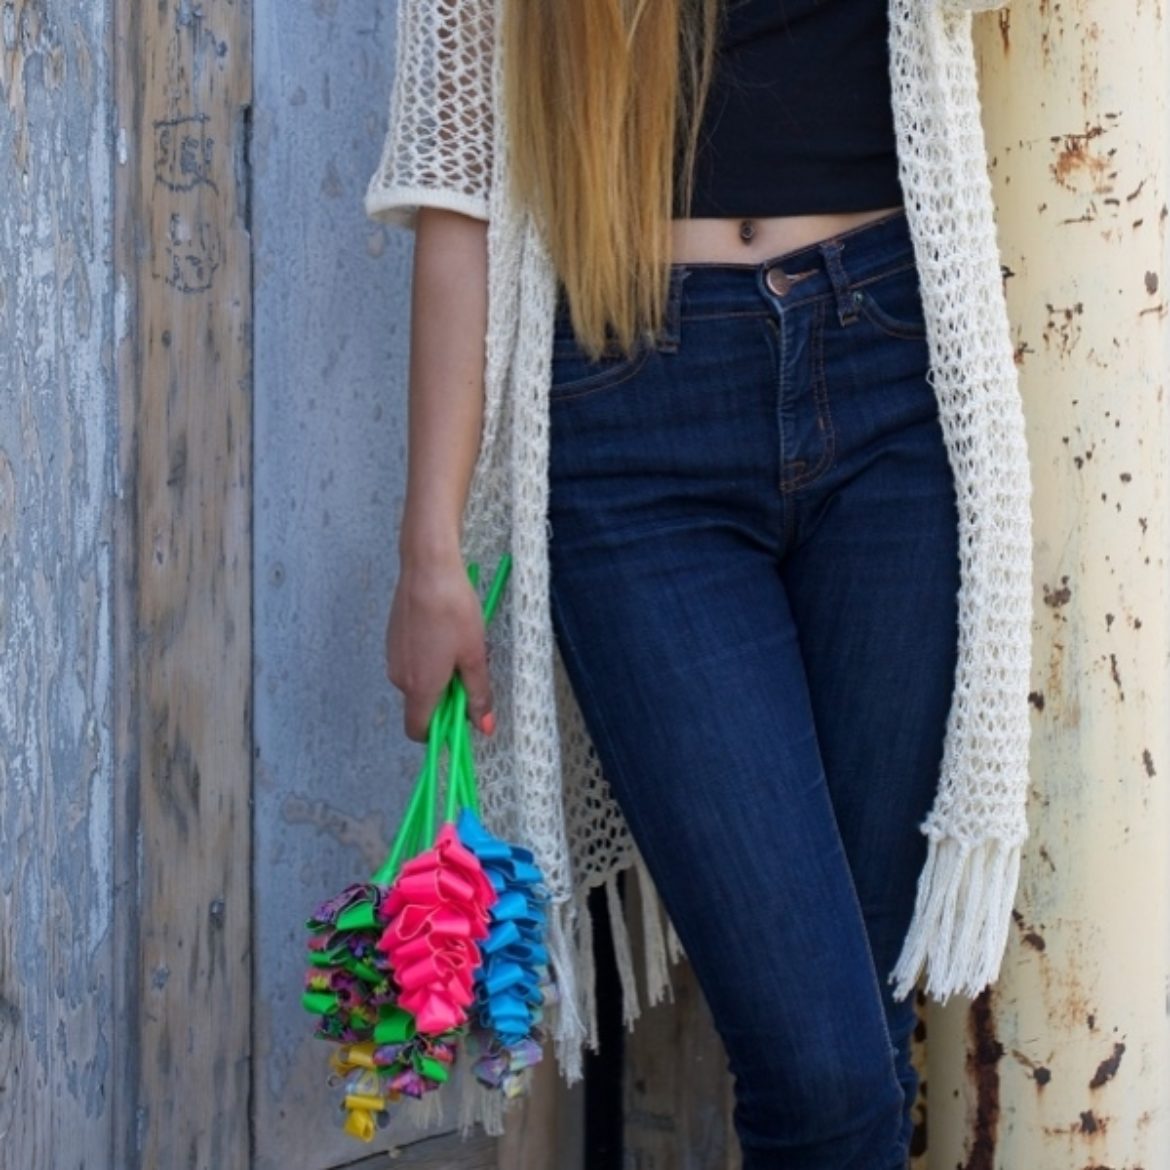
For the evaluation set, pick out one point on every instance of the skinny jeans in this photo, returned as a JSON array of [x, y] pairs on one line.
[[754, 569]]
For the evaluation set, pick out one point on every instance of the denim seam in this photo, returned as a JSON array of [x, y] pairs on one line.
[[880, 319], [723, 316], [605, 380], [821, 400], [881, 275]]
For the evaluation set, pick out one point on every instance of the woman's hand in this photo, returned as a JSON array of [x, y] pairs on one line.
[[436, 627]]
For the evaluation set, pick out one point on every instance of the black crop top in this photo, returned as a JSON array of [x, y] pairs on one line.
[[798, 119]]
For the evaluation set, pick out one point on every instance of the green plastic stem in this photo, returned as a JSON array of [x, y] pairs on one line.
[[414, 819], [458, 733], [497, 586], [467, 775]]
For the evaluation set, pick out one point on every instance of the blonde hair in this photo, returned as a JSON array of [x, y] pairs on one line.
[[603, 100]]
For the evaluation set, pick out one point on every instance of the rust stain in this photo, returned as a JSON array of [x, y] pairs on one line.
[[983, 1057], [1029, 936], [1021, 352], [1107, 1069], [1005, 30], [1055, 598], [1062, 329], [1115, 672], [1075, 161], [1041, 1073], [920, 1137]]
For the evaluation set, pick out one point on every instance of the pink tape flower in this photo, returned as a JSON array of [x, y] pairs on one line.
[[437, 913]]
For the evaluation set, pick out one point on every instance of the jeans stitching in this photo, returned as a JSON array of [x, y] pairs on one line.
[[891, 326], [604, 380], [824, 416]]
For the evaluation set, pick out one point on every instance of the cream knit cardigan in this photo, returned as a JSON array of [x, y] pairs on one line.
[[447, 146]]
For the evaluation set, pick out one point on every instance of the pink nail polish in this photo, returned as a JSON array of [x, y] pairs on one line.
[[488, 724]]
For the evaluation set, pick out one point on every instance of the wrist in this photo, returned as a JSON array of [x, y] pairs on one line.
[[424, 544]]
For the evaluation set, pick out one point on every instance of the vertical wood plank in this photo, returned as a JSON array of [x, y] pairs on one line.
[[546, 1128], [183, 84], [679, 1093], [56, 678]]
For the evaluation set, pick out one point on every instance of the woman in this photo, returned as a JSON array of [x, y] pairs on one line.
[[751, 433]]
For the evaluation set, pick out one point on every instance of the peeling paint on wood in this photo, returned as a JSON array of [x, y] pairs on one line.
[[57, 1018]]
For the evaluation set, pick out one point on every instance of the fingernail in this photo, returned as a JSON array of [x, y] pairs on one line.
[[488, 724]]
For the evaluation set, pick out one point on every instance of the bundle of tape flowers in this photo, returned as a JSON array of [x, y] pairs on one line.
[[442, 950]]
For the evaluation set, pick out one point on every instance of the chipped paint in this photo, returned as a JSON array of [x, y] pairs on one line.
[[57, 1016]]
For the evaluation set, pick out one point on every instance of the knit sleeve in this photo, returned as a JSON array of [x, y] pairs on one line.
[[438, 146]]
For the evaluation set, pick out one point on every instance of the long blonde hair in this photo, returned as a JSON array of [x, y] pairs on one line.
[[603, 99]]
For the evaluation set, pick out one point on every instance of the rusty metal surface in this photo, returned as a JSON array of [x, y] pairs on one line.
[[1064, 1066]]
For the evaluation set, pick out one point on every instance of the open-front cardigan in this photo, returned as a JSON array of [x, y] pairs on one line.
[[447, 146]]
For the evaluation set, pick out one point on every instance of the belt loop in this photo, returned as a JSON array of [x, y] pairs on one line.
[[672, 318], [846, 308]]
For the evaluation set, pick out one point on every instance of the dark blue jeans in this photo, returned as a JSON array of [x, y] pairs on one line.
[[754, 569]]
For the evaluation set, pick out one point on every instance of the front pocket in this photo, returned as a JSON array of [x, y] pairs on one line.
[[893, 303], [574, 373]]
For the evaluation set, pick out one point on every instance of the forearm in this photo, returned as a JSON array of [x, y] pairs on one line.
[[447, 354]]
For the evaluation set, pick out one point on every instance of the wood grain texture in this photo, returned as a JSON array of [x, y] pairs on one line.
[[183, 77], [547, 1128], [56, 679], [678, 1094], [448, 1152]]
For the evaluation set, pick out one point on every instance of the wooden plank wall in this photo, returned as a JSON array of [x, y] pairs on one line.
[[183, 774], [56, 679]]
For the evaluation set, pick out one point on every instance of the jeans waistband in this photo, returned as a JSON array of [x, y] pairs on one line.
[[832, 267]]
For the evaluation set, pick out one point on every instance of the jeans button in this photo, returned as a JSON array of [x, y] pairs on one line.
[[778, 281]]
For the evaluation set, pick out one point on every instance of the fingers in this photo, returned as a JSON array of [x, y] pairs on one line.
[[419, 708], [420, 703], [473, 670], [431, 634]]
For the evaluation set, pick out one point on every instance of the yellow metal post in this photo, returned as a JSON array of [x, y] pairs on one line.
[[1065, 1065]]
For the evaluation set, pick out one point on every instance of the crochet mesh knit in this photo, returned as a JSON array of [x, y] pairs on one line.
[[541, 784]]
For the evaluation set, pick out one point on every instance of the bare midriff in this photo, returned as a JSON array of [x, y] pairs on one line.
[[750, 240]]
